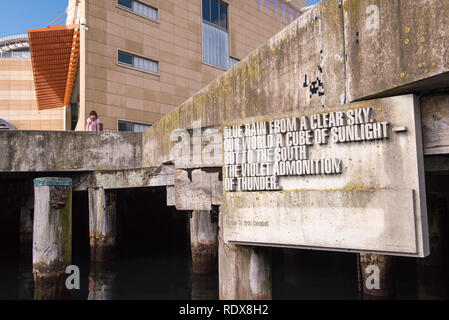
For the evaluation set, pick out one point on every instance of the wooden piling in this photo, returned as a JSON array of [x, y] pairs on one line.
[[374, 269], [244, 272], [52, 237], [102, 224], [204, 242]]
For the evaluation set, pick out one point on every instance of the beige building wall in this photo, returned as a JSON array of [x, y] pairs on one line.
[[175, 41], [18, 99]]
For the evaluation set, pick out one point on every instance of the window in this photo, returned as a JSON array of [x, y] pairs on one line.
[[132, 126], [17, 54], [137, 62], [139, 8], [216, 12], [125, 58], [215, 34], [125, 3], [74, 117]]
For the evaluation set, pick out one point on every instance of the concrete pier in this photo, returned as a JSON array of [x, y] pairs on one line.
[[52, 237], [376, 276], [102, 223], [244, 272], [204, 242]]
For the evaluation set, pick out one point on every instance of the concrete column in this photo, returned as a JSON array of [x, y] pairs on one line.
[[102, 223], [244, 272], [204, 242], [52, 237], [376, 275], [101, 282]]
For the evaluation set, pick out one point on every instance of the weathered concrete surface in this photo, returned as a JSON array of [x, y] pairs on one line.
[[395, 44], [435, 123], [204, 242], [197, 189], [377, 203], [123, 179], [52, 237], [69, 151], [102, 223], [245, 273]]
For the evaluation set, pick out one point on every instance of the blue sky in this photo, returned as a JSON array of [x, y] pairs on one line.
[[19, 16], [310, 2]]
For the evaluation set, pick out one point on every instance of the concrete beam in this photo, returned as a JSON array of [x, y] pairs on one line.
[[435, 123], [197, 189], [58, 151], [395, 47], [123, 179]]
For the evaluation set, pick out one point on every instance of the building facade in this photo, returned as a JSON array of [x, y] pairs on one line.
[[144, 58], [17, 95]]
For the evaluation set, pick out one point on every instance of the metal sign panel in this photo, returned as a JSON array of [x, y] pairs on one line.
[[349, 178]]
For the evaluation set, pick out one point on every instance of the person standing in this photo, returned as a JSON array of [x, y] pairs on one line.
[[93, 123]]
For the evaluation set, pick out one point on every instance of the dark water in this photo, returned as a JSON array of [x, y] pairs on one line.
[[153, 261], [296, 275]]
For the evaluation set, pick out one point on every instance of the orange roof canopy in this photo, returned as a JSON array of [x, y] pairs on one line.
[[55, 59]]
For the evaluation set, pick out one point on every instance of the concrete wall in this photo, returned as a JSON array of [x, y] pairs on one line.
[[69, 151], [175, 41], [278, 77], [18, 99]]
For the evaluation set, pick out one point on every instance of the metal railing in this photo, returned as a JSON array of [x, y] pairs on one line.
[[14, 38]]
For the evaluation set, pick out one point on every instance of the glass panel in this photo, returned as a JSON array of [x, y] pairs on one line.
[[125, 3], [74, 109], [140, 127], [215, 46], [146, 64], [214, 12], [133, 127], [125, 58], [206, 10], [144, 10], [224, 15], [124, 126]]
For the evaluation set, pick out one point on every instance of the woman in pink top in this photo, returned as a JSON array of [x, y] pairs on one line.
[[93, 123]]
